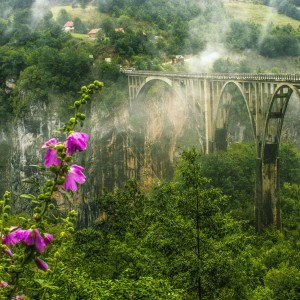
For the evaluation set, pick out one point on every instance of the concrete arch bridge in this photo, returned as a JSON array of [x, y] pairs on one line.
[[266, 97]]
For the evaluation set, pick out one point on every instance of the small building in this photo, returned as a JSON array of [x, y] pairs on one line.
[[120, 29], [92, 35], [69, 26], [177, 59]]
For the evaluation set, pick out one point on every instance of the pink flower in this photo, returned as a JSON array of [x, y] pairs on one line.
[[74, 175], [42, 265], [48, 238], [51, 154], [33, 237], [76, 141], [14, 237], [29, 237], [19, 297], [3, 284]]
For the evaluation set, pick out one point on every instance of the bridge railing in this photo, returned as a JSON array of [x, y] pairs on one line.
[[295, 78]]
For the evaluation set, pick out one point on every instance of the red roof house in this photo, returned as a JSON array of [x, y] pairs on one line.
[[69, 26], [92, 35]]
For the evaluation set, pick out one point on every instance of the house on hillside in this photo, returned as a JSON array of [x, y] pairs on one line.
[[120, 30], [92, 35], [69, 26]]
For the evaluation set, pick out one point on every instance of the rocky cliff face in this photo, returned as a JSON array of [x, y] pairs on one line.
[[140, 140]]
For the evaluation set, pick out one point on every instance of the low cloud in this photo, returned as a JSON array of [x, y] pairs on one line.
[[39, 9], [203, 62]]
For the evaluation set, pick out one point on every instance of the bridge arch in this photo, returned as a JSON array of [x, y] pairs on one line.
[[223, 109], [150, 81], [275, 117]]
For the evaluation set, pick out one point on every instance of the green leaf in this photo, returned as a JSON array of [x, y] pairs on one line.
[[28, 196]]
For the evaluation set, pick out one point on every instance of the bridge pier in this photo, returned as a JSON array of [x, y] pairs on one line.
[[267, 200]]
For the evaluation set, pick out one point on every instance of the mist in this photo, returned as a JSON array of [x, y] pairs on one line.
[[39, 9], [204, 61]]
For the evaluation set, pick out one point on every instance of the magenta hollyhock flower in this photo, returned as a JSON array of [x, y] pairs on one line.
[[76, 141], [3, 284], [42, 265], [29, 237], [14, 237], [33, 237], [74, 175], [48, 238], [19, 297], [51, 154]]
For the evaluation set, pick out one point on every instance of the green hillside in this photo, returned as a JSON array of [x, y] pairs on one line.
[[89, 14], [257, 13]]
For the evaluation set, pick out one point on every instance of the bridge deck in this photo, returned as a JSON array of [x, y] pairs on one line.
[[291, 78]]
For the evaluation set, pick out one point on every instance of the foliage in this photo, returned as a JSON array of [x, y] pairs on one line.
[[280, 41], [23, 245], [242, 35]]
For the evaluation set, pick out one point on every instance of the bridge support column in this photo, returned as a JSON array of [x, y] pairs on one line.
[[267, 206]]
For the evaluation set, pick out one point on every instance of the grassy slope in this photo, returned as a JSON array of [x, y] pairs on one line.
[[257, 13], [241, 10], [88, 15], [261, 14]]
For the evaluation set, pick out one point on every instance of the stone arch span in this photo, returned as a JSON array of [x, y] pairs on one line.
[[222, 113]]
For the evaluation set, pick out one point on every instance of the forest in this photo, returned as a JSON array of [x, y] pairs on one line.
[[191, 236]]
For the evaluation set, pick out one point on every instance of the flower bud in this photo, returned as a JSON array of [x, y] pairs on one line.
[[60, 147], [42, 265], [83, 89], [73, 213], [98, 84], [53, 169], [82, 116], [3, 247], [36, 217], [77, 104], [63, 155], [49, 183], [5, 215], [68, 159], [65, 169], [61, 180], [72, 120]]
